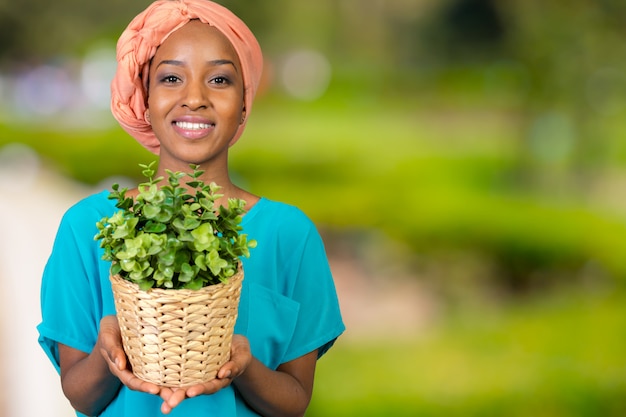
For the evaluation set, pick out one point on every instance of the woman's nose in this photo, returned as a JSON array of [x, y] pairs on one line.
[[196, 96]]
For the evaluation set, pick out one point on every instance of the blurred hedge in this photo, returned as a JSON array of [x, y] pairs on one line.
[[433, 178]]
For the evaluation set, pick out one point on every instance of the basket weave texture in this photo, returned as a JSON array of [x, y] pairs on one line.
[[176, 338]]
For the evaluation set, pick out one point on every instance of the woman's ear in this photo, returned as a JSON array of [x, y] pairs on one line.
[[146, 116], [243, 115]]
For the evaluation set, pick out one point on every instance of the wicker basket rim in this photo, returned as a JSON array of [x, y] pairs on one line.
[[179, 292]]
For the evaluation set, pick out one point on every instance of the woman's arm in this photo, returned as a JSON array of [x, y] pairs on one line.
[[91, 381], [284, 392]]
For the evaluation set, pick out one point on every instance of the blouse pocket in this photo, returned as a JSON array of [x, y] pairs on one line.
[[269, 322]]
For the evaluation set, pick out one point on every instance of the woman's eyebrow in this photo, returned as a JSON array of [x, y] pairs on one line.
[[214, 62], [223, 62], [171, 62]]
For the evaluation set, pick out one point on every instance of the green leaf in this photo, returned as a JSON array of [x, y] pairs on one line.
[[201, 262], [215, 263], [154, 227], [165, 215], [191, 223], [146, 284], [151, 211], [116, 268], [203, 238], [195, 284], [167, 257], [187, 273], [127, 264]]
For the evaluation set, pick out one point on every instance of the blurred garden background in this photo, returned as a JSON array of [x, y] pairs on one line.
[[465, 161]]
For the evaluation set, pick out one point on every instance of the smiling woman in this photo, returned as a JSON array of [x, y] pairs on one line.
[[196, 94], [137, 46], [187, 73]]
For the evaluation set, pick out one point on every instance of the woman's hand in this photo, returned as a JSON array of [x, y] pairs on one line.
[[90, 381], [240, 358], [113, 353]]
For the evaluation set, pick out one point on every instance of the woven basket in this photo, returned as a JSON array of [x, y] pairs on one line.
[[176, 338]]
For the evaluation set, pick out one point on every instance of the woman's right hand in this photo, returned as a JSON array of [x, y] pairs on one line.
[[113, 353], [91, 381]]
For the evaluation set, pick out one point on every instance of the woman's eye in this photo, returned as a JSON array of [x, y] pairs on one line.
[[170, 79], [219, 80]]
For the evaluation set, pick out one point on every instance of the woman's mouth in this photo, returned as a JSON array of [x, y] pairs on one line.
[[192, 130], [192, 126]]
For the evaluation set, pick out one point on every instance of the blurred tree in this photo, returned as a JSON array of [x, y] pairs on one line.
[[39, 29], [465, 31], [35, 30], [569, 58], [573, 55]]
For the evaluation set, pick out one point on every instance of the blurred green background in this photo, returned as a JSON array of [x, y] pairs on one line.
[[464, 160]]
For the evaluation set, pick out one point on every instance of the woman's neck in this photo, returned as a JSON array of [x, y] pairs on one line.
[[220, 177]]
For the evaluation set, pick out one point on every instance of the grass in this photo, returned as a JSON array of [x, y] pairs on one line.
[[557, 356]]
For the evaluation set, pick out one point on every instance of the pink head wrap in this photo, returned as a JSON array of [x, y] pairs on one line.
[[139, 42]]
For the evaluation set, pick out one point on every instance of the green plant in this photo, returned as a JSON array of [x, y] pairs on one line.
[[173, 236]]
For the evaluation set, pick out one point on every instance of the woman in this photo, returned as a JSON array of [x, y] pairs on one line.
[[187, 74]]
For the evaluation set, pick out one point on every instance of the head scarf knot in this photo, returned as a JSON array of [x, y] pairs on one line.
[[139, 42]]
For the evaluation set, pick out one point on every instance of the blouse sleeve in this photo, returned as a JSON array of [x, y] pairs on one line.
[[71, 301], [319, 321], [289, 304]]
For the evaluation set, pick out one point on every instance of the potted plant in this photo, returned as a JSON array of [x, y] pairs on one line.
[[176, 275]]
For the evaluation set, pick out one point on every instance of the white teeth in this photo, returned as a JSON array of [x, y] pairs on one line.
[[192, 126]]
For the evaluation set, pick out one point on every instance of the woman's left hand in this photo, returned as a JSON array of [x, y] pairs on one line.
[[240, 358]]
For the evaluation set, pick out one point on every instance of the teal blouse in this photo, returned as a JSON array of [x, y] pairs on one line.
[[288, 304]]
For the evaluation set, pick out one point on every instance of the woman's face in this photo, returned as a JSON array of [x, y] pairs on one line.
[[195, 95]]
